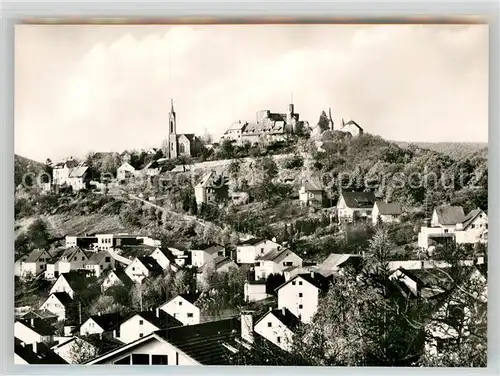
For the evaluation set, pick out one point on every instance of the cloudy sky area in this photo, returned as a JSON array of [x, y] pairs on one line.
[[108, 88]]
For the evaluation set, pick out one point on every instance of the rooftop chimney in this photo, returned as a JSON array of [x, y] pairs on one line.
[[247, 326], [312, 274], [283, 311], [32, 322], [270, 309]]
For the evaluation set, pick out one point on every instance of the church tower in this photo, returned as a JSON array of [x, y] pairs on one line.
[[172, 131]]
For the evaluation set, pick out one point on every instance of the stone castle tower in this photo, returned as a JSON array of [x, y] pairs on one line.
[[172, 132]]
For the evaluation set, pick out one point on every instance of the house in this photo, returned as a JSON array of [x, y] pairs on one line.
[[142, 267], [165, 258], [278, 327], [200, 257], [75, 350], [311, 193], [101, 323], [18, 264], [31, 331], [71, 283], [143, 323], [275, 262], [151, 169], [255, 291], [183, 308], [44, 315], [79, 178], [386, 212], [450, 223], [234, 132], [426, 283], [219, 264], [355, 204], [59, 303], [35, 353], [62, 170], [126, 156], [125, 171], [84, 242], [99, 262], [116, 277], [249, 250], [239, 198], [186, 144], [335, 262], [300, 294], [352, 128], [73, 258], [205, 190], [456, 316], [35, 263], [212, 343]]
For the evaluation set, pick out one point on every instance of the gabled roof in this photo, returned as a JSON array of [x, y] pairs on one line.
[[78, 172], [64, 298], [206, 181], [191, 298], [450, 215], [39, 314], [126, 165], [359, 200], [107, 321], [97, 257], [43, 356], [122, 276], [389, 208], [333, 261], [276, 255], [150, 264], [77, 279], [252, 241], [214, 249], [286, 317], [166, 252], [42, 327], [312, 185], [35, 255], [163, 321], [315, 279], [69, 253], [473, 214], [352, 122], [217, 262]]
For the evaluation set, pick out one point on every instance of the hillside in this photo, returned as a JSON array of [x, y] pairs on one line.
[[452, 149], [24, 165]]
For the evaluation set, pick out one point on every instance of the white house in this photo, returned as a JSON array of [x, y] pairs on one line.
[[62, 170], [101, 323], [386, 212], [277, 326], [79, 178], [35, 353], [75, 349], [351, 127], [99, 262], [183, 308], [59, 304], [18, 265], [275, 262], [311, 193], [249, 250], [116, 278], [142, 267], [71, 283], [165, 259], [177, 346], [201, 256], [73, 258], [35, 263], [474, 228], [125, 171], [300, 294], [204, 191], [33, 331], [255, 291], [144, 323], [352, 204]]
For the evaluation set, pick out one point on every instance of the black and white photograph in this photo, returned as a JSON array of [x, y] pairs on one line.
[[251, 194]]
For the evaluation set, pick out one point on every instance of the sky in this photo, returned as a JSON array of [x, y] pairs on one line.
[[81, 88]]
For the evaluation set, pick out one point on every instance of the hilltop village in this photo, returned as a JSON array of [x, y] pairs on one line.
[[283, 243]]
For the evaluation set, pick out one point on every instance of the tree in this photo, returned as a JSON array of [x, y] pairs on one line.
[[81, 351], [323, 122]]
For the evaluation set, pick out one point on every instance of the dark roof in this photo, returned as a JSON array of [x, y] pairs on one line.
[[64, 298], [77, 279], [214, 248], [285, 316], [42, 327], [108, 321], [389, 208], [217, 263], [204, 342], [470, 217], [167, 253], [39, 314], [69, 253], [43, 355], [164, 320], [276, 255], [450, 215], [353, 123], [150, 263], [314, 278], [103, 343], [35, 255], [191, 298], [360, 200], [252, 241], [122, 276], [97, 257]]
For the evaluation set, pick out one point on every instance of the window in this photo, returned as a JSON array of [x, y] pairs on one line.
[[83, 258], [301, 306], [269, 324], [75, 258], [445, 230], [300, 295], [486, 226], [125, 360], [293, 283], [133, 268], [262, 250], [473, 226], [107, 259], [287, 263], [220, 253], [300, 283], [278, 339], [141, 322], [180, 303], [141, 335], [159, 359], [140, 359], [189, 315]]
